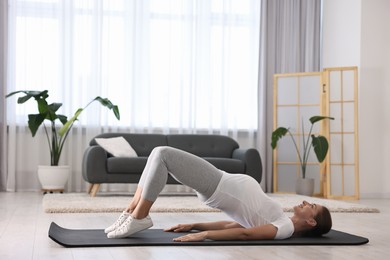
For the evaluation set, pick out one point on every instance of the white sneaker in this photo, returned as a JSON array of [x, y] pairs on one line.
[[117, 223], [130, 227]]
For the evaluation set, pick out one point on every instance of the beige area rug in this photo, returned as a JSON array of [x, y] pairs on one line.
[[83, 203]]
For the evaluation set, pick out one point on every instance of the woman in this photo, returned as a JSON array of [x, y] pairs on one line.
[[255, 215]]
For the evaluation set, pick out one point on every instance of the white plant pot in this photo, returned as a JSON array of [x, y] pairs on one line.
[[305, 186], [53, 177]]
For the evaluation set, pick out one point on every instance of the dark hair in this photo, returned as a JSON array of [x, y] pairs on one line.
[[324, 223]]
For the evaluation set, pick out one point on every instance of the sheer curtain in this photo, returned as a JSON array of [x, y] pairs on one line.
[[289, 42], [174, 66], [3, 124]]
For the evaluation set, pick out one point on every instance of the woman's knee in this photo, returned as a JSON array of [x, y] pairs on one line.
[[160, 152], [163, 150]]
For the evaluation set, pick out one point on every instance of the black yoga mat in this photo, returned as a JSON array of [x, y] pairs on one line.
[[157, 237]]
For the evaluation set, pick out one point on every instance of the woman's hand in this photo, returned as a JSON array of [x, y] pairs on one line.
[[180, 228], [193, 237]]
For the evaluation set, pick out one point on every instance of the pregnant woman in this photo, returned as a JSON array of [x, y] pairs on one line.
[[255, 215]]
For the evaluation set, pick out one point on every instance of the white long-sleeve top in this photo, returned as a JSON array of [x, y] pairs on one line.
[[242, 198]]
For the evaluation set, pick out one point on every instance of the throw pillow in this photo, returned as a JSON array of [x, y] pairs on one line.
[[117, 146]]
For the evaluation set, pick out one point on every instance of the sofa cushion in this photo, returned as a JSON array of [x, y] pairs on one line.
[[117, 146], [204, 145], [126, 165], [136, 165], [143, 144]]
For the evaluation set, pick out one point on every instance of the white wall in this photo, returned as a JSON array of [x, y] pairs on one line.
[[341, 33], [375, 95], [355, 34]]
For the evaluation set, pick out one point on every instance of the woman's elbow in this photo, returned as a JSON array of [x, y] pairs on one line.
[[249, 234], [246, 235]]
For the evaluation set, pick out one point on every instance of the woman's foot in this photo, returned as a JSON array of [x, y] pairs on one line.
[[117, 223], [131, 226]]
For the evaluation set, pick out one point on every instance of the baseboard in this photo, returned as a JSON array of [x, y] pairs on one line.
[[375, 195]]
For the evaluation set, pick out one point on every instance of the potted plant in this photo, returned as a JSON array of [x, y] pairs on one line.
[[319, 144], [56, 136]]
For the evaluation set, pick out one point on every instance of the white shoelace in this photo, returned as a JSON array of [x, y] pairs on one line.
[[125, 224]]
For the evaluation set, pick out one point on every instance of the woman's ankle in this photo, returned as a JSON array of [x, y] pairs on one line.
[[142, 209], [139, 215]]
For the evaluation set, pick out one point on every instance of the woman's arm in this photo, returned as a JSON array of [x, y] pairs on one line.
[[256, 233], [219, 225]]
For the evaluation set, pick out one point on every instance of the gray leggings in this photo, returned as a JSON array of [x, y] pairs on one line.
[[184, 167]]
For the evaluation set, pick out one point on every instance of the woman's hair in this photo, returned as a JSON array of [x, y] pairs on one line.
[[324, 223]]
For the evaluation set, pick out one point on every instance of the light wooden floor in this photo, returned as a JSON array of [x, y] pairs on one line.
[[24, 227]]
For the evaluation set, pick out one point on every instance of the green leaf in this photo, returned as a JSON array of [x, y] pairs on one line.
[[320, 145], [34, 122], [116, 112], [70, 122], [29, 94], [62, 118], [52, 109], [315, 119], [21, 100], [42, 106], [107, 103], [13, 93], [278, 134]]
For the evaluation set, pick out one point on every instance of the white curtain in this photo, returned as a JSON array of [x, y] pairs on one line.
[[290, 41], [174, 66], [3, 76]]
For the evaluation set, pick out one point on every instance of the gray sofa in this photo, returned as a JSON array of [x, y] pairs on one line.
[[221, 151]]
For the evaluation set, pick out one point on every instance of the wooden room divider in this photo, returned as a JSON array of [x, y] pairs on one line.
[[299, 96]]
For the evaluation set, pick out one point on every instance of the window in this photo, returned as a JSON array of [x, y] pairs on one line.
[[175, 64]]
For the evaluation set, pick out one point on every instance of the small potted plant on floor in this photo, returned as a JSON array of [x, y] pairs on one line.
[[56, 136], [305, 186]]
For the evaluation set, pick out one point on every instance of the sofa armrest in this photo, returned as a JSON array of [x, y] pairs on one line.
[[252, 161], [94, 167]]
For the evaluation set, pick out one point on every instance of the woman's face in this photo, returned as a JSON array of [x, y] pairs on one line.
[[306, 210]]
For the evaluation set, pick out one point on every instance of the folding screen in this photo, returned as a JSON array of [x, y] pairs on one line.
[[299, 96], [343, 159]]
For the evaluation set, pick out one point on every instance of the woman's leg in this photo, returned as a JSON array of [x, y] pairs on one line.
[[133, 203], [186, 168], [137, 195]]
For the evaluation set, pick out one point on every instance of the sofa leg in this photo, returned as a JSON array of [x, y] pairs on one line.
[[94, 189], [90, 186]]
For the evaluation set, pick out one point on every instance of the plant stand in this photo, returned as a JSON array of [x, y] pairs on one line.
[[45, 191]]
